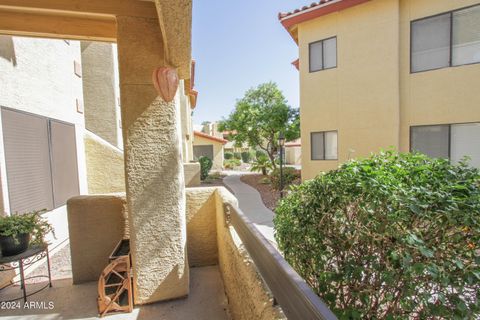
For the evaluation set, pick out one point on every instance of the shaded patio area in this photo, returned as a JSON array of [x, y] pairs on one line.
[[207, 300]]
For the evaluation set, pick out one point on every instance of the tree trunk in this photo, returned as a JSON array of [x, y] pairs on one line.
[[272, 160]]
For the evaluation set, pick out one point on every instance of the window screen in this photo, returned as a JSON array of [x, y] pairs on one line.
[[331, 145], [431, 140], [27, 161], [318, 148], [465, 141], [316, 56], [64, 162], [330, 53], [323, 54], [466, 36], [203, 151], [431, 43], [324, 145]]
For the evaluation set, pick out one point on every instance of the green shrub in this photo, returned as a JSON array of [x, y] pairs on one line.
[[289, 176], [262, 164], [232, 163], [215, 176], [246, 157], [205, 166], [394, 236], [32, 223], [228, 155], [260, 153], [237, 155]]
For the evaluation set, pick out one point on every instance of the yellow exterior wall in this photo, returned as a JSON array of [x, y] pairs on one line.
[[371, 98], [217, 151], [359, 98], [105, 166], [443, 96]]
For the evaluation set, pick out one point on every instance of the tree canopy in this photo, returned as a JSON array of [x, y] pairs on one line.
[[260, 116]]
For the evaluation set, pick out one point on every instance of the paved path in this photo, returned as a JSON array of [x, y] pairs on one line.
[[251, 204]]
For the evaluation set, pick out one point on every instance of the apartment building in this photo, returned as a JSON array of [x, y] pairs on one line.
[[60, 125], [376, 74]]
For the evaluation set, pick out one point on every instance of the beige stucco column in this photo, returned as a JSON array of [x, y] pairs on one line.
[[153, 165]]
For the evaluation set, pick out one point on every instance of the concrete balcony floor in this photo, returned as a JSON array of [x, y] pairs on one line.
[[207, 301]]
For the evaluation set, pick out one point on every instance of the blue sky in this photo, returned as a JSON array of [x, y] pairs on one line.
[[238, 45]]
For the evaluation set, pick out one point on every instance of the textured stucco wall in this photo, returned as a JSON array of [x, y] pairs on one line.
[[105, 166], [217, 151], [96, 224], [248, 295], [153, 165], [359, 98], [192, 174], [443, 96], [201, 227], [99, 90]]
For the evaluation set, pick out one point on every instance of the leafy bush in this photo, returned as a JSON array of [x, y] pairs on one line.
[[228, 155], [260, 153], [205, 167], [262, 164], [32, 223], [237, 155], [215, 176], [232, 163], [289, 176], [246, 157], [394, 236]]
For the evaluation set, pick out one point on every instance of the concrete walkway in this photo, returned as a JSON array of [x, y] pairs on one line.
[[251, 204]]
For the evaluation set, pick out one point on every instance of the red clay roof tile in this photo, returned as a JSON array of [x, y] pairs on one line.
[[207, 136]]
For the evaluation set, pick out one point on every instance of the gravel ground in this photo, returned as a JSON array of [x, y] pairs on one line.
[[269, 196]]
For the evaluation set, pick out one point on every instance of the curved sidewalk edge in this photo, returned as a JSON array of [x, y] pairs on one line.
[[251, 204]]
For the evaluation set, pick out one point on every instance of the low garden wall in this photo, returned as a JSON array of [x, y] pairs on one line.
[[98, 222]]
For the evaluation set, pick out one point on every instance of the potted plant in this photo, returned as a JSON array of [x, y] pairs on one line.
[[18, 231]]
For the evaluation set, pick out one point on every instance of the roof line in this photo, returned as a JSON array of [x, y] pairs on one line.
[[207, 136], [305, 9], [315, 10]]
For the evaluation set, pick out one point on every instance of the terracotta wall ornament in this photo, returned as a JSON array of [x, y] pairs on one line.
[[165, 80]]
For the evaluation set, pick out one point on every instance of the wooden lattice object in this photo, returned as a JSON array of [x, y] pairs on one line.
[[115, 287]]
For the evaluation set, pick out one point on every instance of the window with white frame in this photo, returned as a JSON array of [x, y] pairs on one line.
[[451, 141], [445, 40], [323, 54], [324, 145]]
